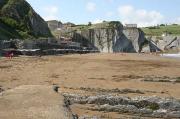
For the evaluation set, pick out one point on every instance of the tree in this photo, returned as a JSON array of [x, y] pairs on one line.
[[89, 24], [162, 25]]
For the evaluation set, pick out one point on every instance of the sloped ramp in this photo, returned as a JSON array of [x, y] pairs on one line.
[[32, 102]]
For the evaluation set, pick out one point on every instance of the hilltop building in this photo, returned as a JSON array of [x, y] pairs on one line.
[[130, 25]]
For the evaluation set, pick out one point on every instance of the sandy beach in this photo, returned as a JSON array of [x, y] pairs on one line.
[[90, 73]]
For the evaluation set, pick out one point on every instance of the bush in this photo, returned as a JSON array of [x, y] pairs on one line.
[[153, 106], [153, 27], [162, 25], [10, 22], [175, 24], [89, 24]]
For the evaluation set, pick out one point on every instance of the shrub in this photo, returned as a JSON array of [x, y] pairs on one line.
[[89, 24], [10, 22], [153, 106], [162, 25], [175, 24]]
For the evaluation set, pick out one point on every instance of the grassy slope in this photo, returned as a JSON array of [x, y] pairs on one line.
[[171, 29], [111, 24], [7, 32], [103, 25]]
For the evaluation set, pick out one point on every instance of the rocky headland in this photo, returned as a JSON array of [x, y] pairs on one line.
[[19, 20]]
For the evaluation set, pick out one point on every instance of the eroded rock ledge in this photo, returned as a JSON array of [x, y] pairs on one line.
[[152, 106]]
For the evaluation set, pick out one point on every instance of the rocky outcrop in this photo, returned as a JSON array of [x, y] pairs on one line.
[[109, 37], [164, 44], [151, 106], [136, 36], [169, 43], [25, 22], [150, 46]]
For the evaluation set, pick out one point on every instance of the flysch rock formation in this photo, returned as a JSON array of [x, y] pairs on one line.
[[136, 37], [111, 39], [32, 102], [150, 106], [151, 46], [169, 43], [108, 36], [112, 36], [164, 44]]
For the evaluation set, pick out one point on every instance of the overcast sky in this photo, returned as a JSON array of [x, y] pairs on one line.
[[142, 12]]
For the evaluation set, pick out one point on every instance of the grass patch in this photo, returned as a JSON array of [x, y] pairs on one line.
[[158, 31], [153, 106], [145, 104]]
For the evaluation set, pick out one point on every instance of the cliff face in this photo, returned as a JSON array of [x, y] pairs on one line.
[[162, 44], [164, 37], [136, 37], [23, 21], [111, 37], [168, 43], [104, 40]]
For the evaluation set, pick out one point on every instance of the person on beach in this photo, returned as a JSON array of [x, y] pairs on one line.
[[9, 55]]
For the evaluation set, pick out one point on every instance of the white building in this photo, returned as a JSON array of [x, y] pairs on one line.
[[130, 25]]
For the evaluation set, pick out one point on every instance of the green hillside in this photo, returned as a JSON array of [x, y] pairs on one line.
[[158, 31], [7, 32], [19, 20]]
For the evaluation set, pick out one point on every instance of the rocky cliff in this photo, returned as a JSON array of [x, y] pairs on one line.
[[169, 43], [164, 37], [108, 37], [164, 44], [19, 20]]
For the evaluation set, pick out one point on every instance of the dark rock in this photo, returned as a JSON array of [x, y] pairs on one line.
[[155, 107], [56, 88], [1, 90]]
